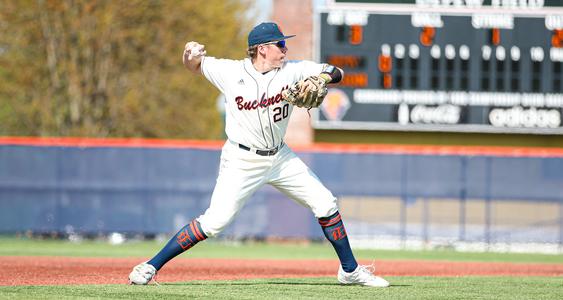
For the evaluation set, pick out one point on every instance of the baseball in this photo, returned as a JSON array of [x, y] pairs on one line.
[[194, 50]]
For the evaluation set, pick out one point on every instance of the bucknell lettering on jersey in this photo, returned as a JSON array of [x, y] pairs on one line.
[[264, 102]]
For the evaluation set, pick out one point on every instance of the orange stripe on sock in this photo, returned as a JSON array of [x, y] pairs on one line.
[[331, 221], [334, 221], [193, 227], [193, 230], [197, 232]]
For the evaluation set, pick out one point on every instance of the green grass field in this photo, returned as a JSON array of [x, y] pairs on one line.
[[310, 288], [219, 249], [473, 287]]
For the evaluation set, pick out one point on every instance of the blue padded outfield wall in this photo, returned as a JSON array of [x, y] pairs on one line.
[[501, 196]]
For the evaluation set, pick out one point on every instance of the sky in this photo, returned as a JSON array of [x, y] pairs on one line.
[[265, 7]]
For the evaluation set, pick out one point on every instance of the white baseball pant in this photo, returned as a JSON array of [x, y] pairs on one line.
[[242, 172]]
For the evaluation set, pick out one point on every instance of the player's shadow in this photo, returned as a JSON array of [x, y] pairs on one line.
[[268, 283], [252, 283]]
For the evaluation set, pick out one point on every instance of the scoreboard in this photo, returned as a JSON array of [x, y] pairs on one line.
[[444, 65]]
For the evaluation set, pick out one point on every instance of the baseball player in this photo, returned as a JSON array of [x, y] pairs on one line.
[[254, 154]]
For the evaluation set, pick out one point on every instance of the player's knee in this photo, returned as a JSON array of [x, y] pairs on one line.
[[327, 208], [211, 228]]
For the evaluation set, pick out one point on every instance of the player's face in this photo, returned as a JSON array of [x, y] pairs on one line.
[[275, 53]]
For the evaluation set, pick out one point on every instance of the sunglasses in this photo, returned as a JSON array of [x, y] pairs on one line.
[[279, 44]]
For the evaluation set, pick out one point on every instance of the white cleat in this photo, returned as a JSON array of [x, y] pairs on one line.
[[362, 276], [142, 274]]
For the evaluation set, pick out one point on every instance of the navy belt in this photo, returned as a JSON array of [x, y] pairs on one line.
[[261, 152]]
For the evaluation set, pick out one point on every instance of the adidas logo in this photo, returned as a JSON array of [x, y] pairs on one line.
[[241, 81]]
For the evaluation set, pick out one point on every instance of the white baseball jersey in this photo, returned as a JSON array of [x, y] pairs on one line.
[[256, 115]]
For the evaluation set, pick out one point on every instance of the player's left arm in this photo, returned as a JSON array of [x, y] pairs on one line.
[[311, 89], [331, 74]]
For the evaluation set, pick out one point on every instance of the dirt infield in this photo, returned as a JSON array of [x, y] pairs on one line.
[[18, 270]]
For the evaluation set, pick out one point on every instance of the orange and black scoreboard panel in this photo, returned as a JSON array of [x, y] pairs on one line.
[[444, 65]]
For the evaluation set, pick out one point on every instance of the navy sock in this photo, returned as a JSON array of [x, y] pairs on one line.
[[334, 231], [186, 238]]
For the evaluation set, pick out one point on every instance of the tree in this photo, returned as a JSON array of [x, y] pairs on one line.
[[113, 68]]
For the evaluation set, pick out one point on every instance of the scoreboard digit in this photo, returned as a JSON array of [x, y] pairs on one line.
[[444, 66]]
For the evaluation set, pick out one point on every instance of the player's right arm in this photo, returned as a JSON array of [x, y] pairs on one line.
[[193, 55]]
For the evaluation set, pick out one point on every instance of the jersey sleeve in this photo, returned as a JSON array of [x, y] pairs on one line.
[[217, 71], [305, 68]]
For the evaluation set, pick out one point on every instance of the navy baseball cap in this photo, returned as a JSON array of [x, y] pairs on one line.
[[266, 32]]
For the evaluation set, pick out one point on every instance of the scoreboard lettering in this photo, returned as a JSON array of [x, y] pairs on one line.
[[440, 67]]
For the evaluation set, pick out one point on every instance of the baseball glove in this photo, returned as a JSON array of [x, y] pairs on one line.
[[308, 93]]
